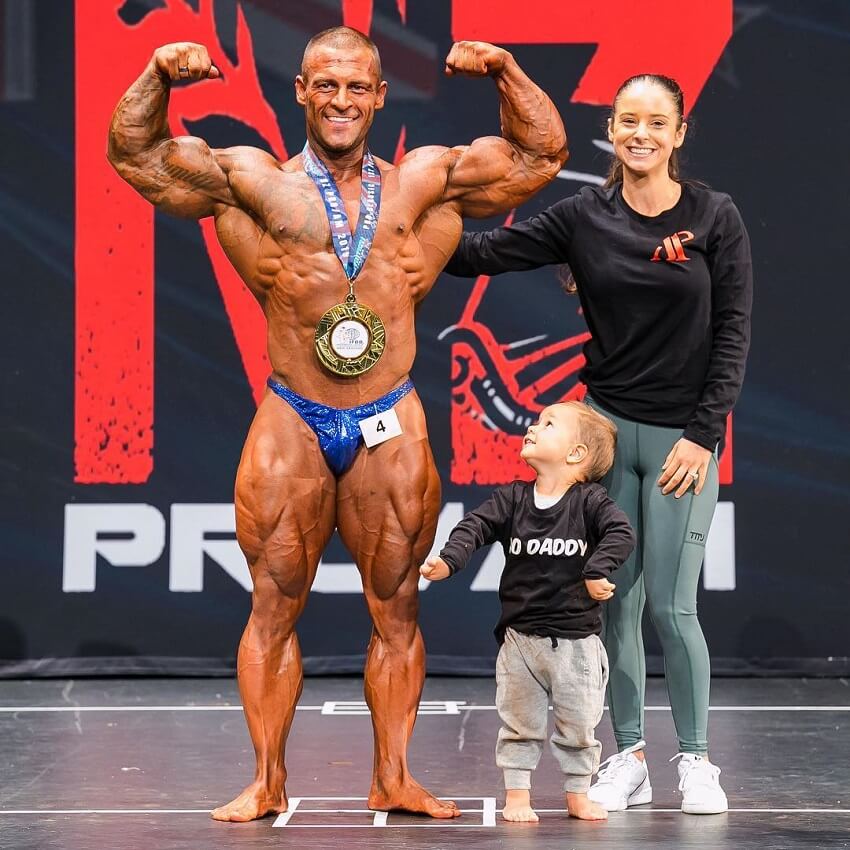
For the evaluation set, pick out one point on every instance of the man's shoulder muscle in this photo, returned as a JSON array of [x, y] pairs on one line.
[[247, 170], [426, 171], [245, 158], [431, 161]]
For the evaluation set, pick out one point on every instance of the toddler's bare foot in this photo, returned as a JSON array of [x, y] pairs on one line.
[[518, 807], [579, 806]]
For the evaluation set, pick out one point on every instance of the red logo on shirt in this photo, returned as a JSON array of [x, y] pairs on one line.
[[672, 246]]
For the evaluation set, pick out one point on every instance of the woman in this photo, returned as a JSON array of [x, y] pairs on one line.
[[664, 275]]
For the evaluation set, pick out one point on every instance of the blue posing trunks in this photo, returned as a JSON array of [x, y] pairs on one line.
[[338, 430]]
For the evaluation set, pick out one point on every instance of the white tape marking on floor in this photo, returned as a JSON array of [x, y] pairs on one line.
[[440, 708], [38, 709], [380, 818], [489, 813], [104, 812], [642, 810], [349, 708], [435, 824], [283, 818]]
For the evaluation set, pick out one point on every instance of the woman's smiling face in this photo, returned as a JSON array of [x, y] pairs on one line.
[[646, 128]]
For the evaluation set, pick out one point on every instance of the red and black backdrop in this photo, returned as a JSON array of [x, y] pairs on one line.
[[134, 356]]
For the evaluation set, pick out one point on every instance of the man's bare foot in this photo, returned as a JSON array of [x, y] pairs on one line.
[[518, 807], [579, 806], [254, 802], [410, 797]]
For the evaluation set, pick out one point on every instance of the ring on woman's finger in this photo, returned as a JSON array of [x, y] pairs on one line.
[[695, 475]]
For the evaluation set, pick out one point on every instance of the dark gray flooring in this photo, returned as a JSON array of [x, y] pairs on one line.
[[76, 778]]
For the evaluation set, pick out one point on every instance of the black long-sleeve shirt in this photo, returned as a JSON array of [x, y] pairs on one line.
[[549, 552], [666, 298]]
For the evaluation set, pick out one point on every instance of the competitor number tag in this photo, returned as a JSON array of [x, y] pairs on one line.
[[380, 428]]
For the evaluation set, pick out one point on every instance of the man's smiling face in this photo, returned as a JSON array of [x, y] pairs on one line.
[[340, 91]]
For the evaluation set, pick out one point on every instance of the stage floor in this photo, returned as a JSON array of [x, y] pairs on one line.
[[124, 764]]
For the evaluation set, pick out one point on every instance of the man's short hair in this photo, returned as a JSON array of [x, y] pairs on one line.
[[344, 38], [599, 434]]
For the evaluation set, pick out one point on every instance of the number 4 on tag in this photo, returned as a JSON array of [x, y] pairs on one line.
[[380, 428]]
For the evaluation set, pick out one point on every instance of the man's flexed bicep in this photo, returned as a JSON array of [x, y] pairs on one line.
[[494, 174], [180, 175]]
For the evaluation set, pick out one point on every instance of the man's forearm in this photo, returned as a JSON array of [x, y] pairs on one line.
[[140, 120], [529, 119]]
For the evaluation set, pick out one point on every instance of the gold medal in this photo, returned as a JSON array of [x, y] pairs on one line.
[[350, 338]]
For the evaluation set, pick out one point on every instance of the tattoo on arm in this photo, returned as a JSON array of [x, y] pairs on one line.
[[195, 179]]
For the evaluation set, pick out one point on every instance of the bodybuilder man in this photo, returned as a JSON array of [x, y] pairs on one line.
[[338, 247]]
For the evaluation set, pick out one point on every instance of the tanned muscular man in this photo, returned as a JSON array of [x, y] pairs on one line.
[[341, 344]]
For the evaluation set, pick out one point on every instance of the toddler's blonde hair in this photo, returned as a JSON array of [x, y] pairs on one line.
[[599, 434]]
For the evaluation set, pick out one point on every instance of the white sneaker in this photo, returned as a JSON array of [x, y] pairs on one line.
[[700, 786], [623, 781]]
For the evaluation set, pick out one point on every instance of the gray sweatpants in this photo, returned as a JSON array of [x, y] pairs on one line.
[[530, 670]]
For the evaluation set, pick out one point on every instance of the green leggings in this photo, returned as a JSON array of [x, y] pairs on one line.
[[663, 571]]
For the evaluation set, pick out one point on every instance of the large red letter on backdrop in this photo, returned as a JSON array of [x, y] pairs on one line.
[[114, 368], [681, 40]]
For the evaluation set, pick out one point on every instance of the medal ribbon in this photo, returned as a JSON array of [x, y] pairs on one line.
[[350, 250]]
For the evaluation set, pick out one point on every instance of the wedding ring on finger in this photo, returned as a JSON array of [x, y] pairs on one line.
[[694, 475]]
